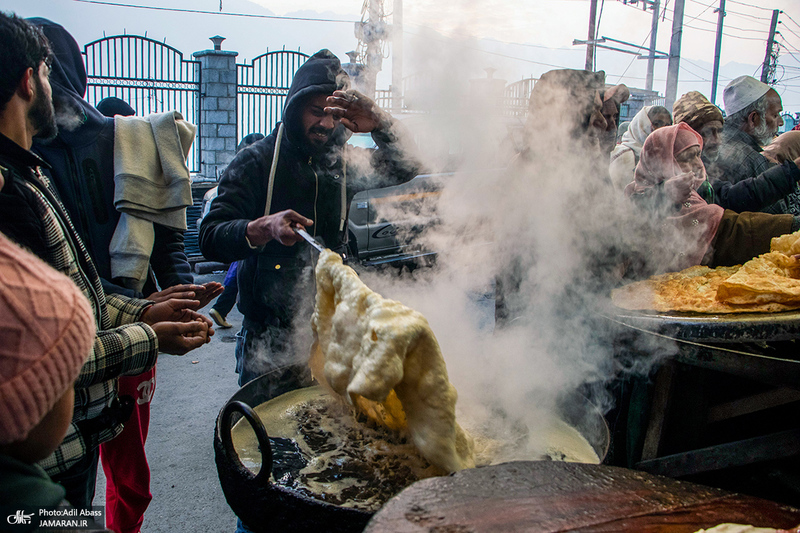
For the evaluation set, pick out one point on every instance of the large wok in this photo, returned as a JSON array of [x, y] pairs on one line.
[[267, 507]]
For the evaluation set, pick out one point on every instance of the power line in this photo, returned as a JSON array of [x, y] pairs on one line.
[[726, 34], [201, 12], [748, 15], [750, 5], [707, 7], [663, 13], [485, 51], [713, 4], [498, 41], [790, 18], [789, 48], [683, 67], [701, 67], [790, 31], [786, 42]]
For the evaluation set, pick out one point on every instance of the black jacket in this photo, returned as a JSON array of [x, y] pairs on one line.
[[81, 160], [307, 181], [760, 192]]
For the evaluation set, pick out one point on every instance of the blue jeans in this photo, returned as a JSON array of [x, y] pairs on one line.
[[79, 480], [241, 528], [227, 299]]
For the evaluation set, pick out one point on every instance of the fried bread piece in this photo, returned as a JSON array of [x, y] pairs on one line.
[[691, 290], [383, 357], [766, 281]]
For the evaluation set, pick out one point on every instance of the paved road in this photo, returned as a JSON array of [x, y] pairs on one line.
[[190, 391]]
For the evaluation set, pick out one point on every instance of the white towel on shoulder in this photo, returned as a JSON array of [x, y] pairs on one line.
[[151, 184]]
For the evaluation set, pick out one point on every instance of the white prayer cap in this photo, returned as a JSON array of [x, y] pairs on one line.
[[741, 92]]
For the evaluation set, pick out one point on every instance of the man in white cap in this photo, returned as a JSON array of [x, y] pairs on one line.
[[754, 117]]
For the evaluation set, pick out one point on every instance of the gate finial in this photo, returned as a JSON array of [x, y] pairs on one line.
[[217, 40]]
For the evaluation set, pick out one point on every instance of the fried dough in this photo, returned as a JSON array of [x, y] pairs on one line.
[[766, 284]]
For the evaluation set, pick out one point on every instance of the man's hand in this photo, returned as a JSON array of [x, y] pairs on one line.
[[358, 112], [179, 338], [209, 291], [202, 293], [178, 292], [277, 226], [171, 310]]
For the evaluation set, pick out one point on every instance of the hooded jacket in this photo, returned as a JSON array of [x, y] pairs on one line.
[[308, 181], [81, 158]]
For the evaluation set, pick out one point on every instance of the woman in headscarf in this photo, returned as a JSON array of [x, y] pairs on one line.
[[689, 230], [626, 155]]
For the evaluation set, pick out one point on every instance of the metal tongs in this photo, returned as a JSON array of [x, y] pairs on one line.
[[309, 239]]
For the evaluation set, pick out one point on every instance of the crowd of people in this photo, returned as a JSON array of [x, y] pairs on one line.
[[78, 374], [95, 280], [725, 186]]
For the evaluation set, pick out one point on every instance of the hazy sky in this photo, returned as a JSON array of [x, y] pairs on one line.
[[519, 38]]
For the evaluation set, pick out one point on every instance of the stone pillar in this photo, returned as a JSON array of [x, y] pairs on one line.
[[217, 109]]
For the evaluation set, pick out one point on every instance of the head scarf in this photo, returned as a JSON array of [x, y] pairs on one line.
[[694, 109], [785, 147], [618, 93], [695, 220], [638, 130]]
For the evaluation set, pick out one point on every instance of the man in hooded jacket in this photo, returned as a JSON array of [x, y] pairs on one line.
[[82, 169], [130, 332], [315, 178]]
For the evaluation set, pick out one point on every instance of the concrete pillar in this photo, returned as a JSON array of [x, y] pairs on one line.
[[217, 109]]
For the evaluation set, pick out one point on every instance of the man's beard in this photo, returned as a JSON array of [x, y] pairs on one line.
[[711, 157], [42, 114], [763, 134], [316, 144]]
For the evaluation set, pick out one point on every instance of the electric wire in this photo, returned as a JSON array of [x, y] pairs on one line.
[[790, 18], [623, 75], [749, 5], [663, 13], [201, 12], [790, 30]]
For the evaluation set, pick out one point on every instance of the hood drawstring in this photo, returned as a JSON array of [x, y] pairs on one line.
[[271, 182], [343, 212], [273, 168]]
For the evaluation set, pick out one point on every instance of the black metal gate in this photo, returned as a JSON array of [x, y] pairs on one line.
[[151, 76], [261, 90]]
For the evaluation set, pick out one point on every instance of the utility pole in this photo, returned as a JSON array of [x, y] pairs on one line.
[[770, 60], [651, 59], [370, 34], [397, 55], [374, 54], [674, 54], [717, 51], [590, 42]]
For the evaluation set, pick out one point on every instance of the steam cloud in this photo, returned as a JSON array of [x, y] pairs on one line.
[[68, 114], [545, 225], [547, 218]]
